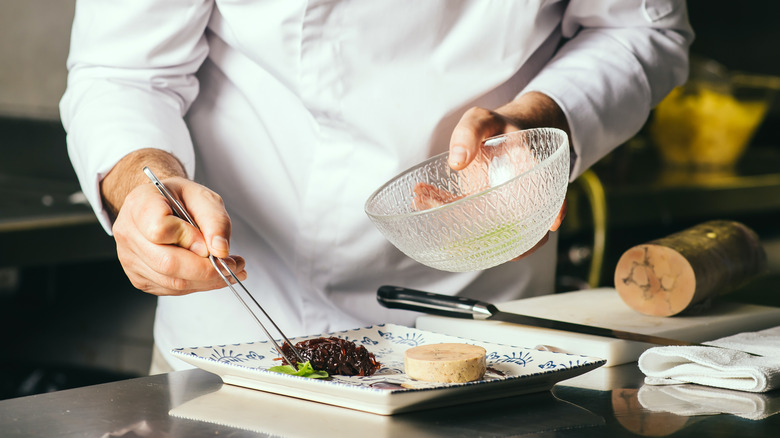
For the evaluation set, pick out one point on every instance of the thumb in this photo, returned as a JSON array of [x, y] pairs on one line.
[[219, 246], [561, 215], [172, 230], [476, 125], [208, 211], [157, 222]]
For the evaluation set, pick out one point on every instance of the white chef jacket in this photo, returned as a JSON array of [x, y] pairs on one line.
[[295, 111]]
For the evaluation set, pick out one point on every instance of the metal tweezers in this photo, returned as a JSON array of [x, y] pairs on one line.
[[179, 211]]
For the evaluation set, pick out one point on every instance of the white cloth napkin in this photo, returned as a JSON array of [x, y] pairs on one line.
[[693, 400], [730, 367]]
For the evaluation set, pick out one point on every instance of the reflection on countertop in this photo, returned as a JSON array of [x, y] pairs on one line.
[[605, 402]]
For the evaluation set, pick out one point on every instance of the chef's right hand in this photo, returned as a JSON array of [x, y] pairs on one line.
[[161, 253]]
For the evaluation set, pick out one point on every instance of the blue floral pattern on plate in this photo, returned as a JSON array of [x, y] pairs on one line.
[[511, 371]]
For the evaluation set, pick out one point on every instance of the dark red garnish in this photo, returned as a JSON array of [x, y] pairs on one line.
[[335, 355]]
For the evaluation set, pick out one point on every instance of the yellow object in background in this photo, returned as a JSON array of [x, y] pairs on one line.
[[704, 127]]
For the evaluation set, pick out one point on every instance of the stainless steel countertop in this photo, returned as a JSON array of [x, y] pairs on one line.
[[195, 403]]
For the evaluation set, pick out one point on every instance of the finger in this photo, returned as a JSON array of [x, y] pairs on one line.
[[476, 125], [176, 263], [208, 211], [235, 264], [556, 224], [146, 233], [167, 229], [170, 270], [148, 213], [538, 245], [429, 196], [144, 278], [165, 269], [561, 215]]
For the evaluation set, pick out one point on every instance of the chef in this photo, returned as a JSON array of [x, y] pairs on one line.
[[273, 121]]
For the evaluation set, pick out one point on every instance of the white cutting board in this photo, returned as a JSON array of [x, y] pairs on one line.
[[603, 308]]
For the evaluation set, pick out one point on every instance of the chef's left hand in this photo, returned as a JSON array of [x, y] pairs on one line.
[[531, 110]]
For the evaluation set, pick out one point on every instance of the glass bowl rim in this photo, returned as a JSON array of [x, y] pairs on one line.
[[544, 163]]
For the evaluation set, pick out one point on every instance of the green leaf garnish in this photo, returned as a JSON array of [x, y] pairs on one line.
[[304, 370]]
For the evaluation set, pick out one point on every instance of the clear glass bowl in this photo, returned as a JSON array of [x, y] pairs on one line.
[[492, 211]]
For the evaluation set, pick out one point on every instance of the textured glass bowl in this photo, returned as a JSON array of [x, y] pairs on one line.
[[492, 211]]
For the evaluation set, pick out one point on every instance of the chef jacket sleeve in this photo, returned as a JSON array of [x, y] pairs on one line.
[[619, 60], [130, 61]]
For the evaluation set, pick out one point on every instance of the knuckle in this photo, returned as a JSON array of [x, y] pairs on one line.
[[211, 196], [479, 113], [167, 264], [141, 283], [475, 110], [157, 231], [120, 231], [179, 285]]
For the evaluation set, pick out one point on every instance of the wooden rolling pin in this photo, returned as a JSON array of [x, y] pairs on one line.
[[676, 273]]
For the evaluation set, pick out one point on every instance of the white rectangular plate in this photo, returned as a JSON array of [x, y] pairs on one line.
[[511, 371]]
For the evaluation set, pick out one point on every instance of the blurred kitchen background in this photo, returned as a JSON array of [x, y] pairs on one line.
[[69, 317]]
